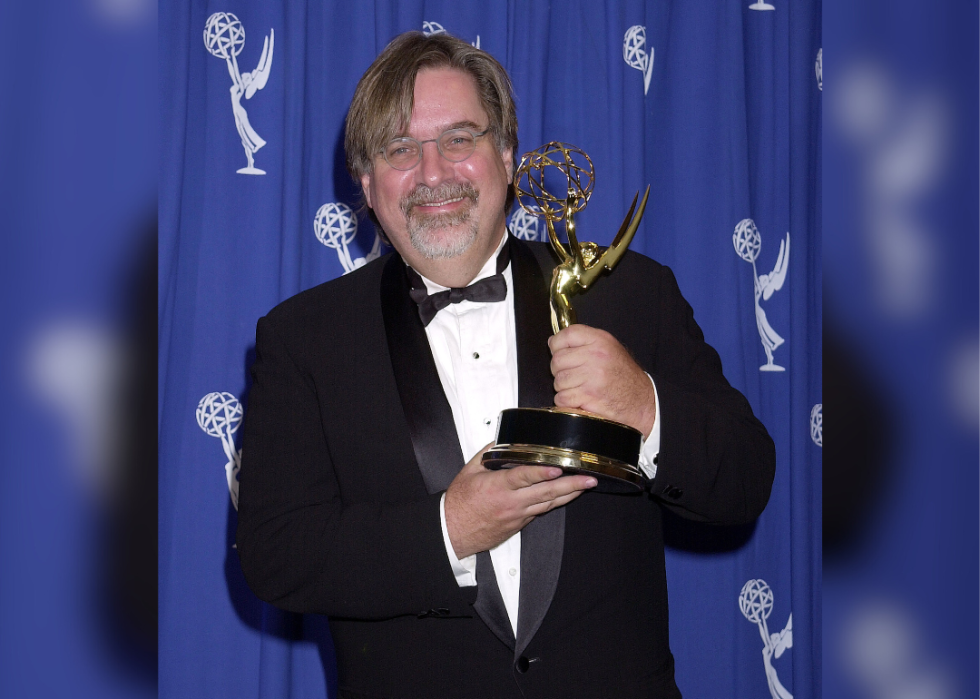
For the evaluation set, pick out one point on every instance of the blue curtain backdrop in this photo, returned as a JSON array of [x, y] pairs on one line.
[[716, 105]]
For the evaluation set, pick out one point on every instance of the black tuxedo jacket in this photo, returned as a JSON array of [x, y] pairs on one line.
[[349, 442]]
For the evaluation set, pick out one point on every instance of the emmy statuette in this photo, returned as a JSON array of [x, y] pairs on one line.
[[574, 440]]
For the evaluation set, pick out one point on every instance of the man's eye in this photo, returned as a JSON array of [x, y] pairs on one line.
[[400, 151]]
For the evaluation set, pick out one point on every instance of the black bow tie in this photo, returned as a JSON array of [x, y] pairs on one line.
[[488, 290]]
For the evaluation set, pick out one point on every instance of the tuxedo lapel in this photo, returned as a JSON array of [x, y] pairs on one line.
[[543, 539], [489, 604], [430, 422], [430, 419], [436, 445]]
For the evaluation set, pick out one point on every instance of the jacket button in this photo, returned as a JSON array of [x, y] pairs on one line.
[[675, 493], [523, 664]]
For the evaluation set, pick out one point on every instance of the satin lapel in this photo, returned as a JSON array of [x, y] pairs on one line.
[[489, 604], [430, 419], [543, 539], [430, 422]]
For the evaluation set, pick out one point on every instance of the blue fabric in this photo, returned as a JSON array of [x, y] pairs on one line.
[[728, 129]]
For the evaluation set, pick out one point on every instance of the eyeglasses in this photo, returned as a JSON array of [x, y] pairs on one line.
[[455, 145]]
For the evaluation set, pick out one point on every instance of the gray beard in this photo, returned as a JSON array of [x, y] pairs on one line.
[[428, 233], [424, 235]]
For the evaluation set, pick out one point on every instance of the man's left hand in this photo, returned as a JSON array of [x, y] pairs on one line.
[[594, 372]]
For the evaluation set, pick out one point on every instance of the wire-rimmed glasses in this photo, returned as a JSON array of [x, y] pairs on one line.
[[455, 145]]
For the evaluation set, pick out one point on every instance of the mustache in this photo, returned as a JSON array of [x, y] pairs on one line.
[[423, 195]]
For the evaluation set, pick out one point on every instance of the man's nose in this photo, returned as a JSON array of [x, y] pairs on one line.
[[434, 169]]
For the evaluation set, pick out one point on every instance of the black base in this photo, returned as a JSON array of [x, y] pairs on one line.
[[575, 442]]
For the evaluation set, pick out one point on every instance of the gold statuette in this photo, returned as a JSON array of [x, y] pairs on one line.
[[576, 441]]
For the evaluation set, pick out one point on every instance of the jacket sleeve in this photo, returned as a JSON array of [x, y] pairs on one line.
[[302, 546], [716, 461]]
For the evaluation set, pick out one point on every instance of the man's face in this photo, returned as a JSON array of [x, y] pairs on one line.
[[442, 210]]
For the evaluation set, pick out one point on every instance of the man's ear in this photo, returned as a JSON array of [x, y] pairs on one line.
[[507, 155], [366, 188]]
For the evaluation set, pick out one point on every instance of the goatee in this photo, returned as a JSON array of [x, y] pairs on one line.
[[440, 236]]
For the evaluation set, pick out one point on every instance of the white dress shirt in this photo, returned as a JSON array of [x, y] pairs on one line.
[[474, 346]]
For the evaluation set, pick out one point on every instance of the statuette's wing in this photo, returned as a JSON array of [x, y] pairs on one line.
[[260, 76], [610, 258], [773, 281]]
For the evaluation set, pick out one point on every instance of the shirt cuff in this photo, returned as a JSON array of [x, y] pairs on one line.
[[465, 569], [649, 452]]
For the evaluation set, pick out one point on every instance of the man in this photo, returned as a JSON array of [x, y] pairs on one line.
[[362, 496]]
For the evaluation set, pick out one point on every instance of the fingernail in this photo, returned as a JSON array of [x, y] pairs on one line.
[[555, 472], [591, 483]]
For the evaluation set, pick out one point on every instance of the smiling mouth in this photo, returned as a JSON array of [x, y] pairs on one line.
[[446, 202]]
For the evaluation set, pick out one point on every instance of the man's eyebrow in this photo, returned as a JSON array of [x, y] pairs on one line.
[[464, 125]]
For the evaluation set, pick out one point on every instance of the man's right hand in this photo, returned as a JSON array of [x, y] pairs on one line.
[[485, 508]]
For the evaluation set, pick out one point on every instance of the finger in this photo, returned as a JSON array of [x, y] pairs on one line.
[[524, 476], [568, 379], [573, 398], [569, 358], [572, 336], [557, 488], [548, 506]]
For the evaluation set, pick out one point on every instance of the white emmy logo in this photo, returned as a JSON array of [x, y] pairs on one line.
[[761, 5], [335, 225], [432, 28], [525, 225], [818, 67], [219, 414], [747, 243], [635, 55], [224, 37], [755, 601], [816, 424]]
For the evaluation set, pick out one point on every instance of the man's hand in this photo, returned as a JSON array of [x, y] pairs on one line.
[[485, 508], [594, 372]]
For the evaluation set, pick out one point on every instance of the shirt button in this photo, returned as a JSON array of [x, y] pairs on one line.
[[512, 571], [476, 355], [486, 422]]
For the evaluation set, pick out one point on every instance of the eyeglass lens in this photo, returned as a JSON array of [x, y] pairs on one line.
[[455, 145]]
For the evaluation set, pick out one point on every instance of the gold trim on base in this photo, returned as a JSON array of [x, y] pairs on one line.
[[616, 476]]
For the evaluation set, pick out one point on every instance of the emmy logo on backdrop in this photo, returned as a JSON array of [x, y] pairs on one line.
[[755, 601], [433, 28], [219, 414], [818, 68], [761, 5], [748, 242], [224, 37], [816, 424], [524, 224], [335, 225], [636, 56]]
